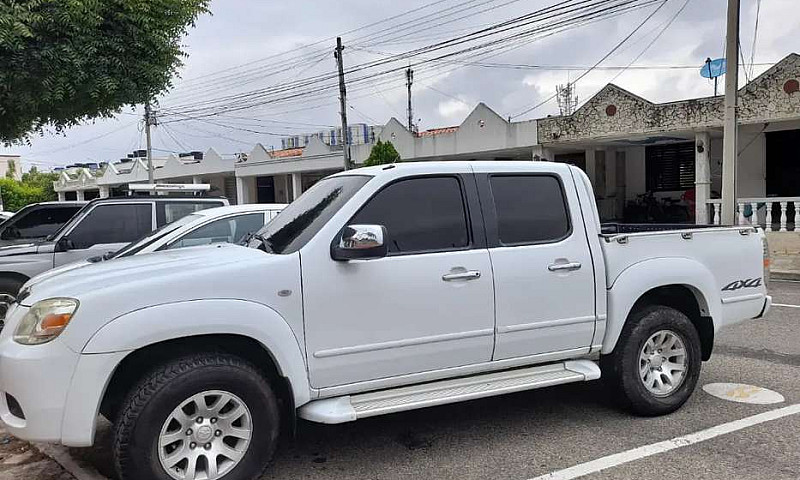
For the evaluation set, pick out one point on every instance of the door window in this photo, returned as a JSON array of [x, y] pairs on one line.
[[530, 209], [420, 215], [112, 224], [37, 223], [226, 230]]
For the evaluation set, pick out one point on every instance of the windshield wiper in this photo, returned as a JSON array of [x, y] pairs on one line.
[[265, 243]]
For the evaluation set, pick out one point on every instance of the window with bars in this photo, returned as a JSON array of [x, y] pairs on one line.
[[670, 168]]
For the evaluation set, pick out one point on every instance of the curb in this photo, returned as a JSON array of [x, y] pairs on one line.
[[61, 455], [779, 275]]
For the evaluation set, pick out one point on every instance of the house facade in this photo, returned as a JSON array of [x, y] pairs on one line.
[[646, 158]]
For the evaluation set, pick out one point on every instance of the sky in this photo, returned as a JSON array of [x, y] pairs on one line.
[[248, 45]]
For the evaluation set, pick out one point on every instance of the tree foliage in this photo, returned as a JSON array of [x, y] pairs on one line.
[[35, 187], [382, 153], [67, 61]]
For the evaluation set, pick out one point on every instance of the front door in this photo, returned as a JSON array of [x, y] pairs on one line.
[[428, 305], [105, 228], [543, 275]]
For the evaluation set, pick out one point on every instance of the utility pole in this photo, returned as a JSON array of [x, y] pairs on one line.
[[730, 144], [149, 120], [343, 101], [409, 82]]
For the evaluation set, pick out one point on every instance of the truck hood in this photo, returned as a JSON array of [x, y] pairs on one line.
[[179, 267], [108, 290]]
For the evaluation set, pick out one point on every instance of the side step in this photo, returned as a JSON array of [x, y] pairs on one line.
[[352, 407]]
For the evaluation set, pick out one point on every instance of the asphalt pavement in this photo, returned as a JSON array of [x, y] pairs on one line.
[[551, 432]]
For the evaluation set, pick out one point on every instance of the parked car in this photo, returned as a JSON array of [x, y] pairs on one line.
[[229, 224], [379, 290], [102, 225], [35, 222], [5, 215]]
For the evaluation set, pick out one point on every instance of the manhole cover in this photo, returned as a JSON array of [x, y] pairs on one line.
[[737, 392]]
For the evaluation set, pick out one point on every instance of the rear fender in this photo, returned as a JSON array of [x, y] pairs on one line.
[[642, 277]]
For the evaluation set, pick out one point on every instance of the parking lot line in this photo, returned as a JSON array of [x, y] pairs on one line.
[[785, 305], [628, 456]]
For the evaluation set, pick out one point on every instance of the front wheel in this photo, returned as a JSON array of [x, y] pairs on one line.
[[209, 416], [656, 363]]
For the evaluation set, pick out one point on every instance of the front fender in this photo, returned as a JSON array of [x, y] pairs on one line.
[[170, 321], [642, 277]]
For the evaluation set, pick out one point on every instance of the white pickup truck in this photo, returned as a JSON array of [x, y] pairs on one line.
[[379, 290]]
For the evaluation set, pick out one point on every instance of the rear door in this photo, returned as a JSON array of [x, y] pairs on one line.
[[105, 228], [543, 275]]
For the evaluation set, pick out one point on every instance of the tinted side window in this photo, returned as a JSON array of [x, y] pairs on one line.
[[420, 214], [38, 223], [112, 224], [230, 230], [168, 212], [530, 209]]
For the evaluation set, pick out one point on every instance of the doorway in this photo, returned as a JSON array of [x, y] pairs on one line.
[[265, 189], [783, 168]]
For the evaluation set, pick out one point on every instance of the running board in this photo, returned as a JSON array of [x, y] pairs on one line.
[[352, 407]]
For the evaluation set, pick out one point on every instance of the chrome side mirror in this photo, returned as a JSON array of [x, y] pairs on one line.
[[360, 242]]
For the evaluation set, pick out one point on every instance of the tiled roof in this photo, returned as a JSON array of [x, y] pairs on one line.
[[437, 131], [289, 152]]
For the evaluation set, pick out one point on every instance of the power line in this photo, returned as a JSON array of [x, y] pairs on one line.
[[235, 102], [611, 52], [755, 39]]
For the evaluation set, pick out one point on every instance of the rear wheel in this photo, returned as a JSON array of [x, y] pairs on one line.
[[656, 363], [210, 416]]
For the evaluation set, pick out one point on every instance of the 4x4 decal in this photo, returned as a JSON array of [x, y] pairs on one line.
[[739, 284]]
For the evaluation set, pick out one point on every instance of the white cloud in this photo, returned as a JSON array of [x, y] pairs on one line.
[[452, 110]]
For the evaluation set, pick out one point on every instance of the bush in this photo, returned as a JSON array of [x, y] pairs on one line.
[[35, 187]]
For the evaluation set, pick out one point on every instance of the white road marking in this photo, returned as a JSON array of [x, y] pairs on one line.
[[785, 305], [741, 393], [628, 456]]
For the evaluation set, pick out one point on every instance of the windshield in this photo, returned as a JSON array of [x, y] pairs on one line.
[[152, 237], [304, 217]]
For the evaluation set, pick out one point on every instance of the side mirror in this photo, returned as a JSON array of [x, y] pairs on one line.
[[360, 242], [64, 244]]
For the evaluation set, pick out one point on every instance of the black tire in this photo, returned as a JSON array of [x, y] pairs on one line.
[[621, 367], [10, 286], [149, 403]]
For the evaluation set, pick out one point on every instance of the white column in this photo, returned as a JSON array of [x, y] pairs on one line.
[[297, 185], [197, 179], [80, 195], [62, 196], [242, 196], [591, 166], [702, 177], [105, 192]]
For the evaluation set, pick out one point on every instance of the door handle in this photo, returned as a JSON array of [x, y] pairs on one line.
[[557, 267], [468, 275]]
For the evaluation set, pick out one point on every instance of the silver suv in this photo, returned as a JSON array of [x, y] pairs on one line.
[[103, 225]]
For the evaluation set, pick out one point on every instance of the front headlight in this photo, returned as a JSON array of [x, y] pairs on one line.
[[45, 321]]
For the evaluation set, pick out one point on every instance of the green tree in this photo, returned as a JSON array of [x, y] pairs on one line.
[[64, 62], [12, 169], [382, 153]]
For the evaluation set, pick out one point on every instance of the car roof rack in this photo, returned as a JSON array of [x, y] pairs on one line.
[[196, 188]]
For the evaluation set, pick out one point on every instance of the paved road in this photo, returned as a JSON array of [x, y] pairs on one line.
[[525, 435]]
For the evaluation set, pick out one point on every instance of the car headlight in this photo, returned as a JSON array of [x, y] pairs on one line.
[[45, 321]]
